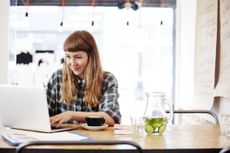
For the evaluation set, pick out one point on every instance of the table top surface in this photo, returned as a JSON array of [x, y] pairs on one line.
[[175, 137]]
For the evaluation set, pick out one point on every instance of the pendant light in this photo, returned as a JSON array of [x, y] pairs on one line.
[[27, 8], [62, 17], [162, 5], [93, 5], [127, 6]]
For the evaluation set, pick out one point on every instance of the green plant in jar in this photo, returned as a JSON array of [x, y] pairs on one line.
[[155, 125]]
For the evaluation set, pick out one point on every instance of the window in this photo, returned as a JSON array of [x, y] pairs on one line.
[[136, 46]]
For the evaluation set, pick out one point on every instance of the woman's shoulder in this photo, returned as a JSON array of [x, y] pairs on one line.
[[57, 72], [109, 77], [56, 75], [110, 81], [55, 79]]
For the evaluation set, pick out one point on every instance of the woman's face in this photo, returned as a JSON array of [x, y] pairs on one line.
[[77, 62]]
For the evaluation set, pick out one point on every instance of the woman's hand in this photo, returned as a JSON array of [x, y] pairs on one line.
[[60, 119]]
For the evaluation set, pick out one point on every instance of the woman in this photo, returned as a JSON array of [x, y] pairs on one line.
[[82, 88]]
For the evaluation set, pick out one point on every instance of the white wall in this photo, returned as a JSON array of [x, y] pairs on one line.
[[4, 18], [186, 23], [185, 27]]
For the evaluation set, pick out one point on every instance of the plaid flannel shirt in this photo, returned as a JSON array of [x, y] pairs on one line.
[[108, 103]]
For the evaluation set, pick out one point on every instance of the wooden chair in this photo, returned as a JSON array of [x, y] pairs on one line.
[[225, 150], [20, 148]]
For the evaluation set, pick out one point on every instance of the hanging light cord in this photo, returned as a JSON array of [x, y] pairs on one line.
[[162, 5], [27, 8], [63, 4], [93, 5]]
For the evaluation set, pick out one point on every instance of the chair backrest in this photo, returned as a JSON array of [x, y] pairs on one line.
[[225, 150], [197, 112], [23, 146]]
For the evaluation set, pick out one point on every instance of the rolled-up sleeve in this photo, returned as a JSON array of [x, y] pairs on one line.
[[109, 101]]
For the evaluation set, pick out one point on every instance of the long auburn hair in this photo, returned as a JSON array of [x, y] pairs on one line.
[[94, 76]]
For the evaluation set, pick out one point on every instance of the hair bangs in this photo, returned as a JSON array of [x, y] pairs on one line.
[[76, 43]]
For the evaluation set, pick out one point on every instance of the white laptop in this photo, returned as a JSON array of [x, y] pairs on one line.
[[25, 107]]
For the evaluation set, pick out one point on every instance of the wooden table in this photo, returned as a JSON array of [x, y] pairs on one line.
[[176, 139]]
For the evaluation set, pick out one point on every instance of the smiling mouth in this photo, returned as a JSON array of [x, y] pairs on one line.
[[76, 68]]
